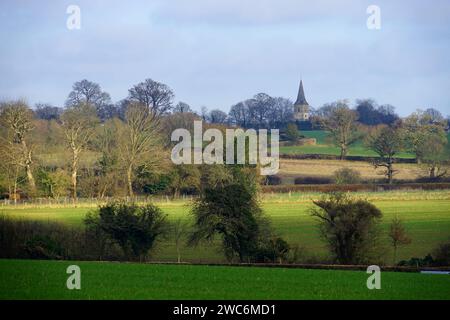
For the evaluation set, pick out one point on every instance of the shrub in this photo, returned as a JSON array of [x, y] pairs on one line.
[[274, 249], [273, 180], [346, 176], [427, 261], [442, 254], [135, 229], [313, 180], [43, 247]]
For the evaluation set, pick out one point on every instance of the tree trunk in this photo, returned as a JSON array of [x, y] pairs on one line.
[[28, 161], [74, 174], [30, 178], [129, 180]]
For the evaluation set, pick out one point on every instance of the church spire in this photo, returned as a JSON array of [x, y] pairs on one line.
[[301, 100]]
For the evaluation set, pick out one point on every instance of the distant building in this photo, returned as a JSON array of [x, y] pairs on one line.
[[301, 106]]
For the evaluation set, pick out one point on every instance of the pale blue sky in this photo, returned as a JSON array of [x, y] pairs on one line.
[[216, 53]]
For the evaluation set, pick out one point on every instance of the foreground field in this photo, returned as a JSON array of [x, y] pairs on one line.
[[24, 279], [426, 217]]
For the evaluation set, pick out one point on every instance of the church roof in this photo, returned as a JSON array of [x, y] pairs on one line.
[[301, 95]]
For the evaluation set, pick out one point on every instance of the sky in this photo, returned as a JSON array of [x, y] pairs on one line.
[[217, 53]]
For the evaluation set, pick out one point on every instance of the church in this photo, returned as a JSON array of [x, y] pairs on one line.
[[301, 106], [302, 110]]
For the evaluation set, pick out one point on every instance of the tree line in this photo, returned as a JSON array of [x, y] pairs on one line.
[[94, 148]]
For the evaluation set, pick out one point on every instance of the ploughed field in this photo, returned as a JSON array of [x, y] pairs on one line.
[[34, 279], [426, 216]]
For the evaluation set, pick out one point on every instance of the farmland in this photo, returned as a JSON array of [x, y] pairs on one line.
[[107, 280], [426, 216], [324, 146]]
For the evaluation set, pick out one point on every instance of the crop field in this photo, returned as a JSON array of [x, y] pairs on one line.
[[426, 216], [25, 279]]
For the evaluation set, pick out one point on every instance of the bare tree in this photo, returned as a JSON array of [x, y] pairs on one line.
[[180, 229], [78, 123], [17, 120], [217, 116], [87, 92], [156, 96], [340, 121], [182, 107], [386, 142], [140, 143], [398, 235]]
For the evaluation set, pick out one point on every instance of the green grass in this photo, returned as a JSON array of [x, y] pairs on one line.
[[426, 217], [24, 279], [326, 147]]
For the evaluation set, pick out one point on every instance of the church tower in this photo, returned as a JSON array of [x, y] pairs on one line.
[[301, 106]]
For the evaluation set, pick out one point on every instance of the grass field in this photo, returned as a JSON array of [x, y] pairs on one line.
[[426, 216], [25, 279], [324, 146]]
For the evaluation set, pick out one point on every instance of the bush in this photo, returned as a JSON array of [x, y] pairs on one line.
[[273, 180], [274, 249], [135, 229], [346, 176], [442, 254], [43, 247], [427, 261], [313, 180], [350, 227], [41, 240]]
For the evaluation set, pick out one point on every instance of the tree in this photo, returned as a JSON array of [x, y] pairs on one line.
[[261, 111], [435, 156], [434, 115], [370, 113], [180, 229], [418, 128], [78, 123], [349, 226], [156, 96], [217, 116], [182, 107], [292, 133], [87, 92], [184, 177], [17, 120], [386, 142], [232, 212], [340, 122], [139, 143], [135, 229], [398, 235], [106, 143], [46, 111]]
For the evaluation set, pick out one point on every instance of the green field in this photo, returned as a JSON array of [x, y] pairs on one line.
[[25, 279], [326, 147], [426, 216]]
